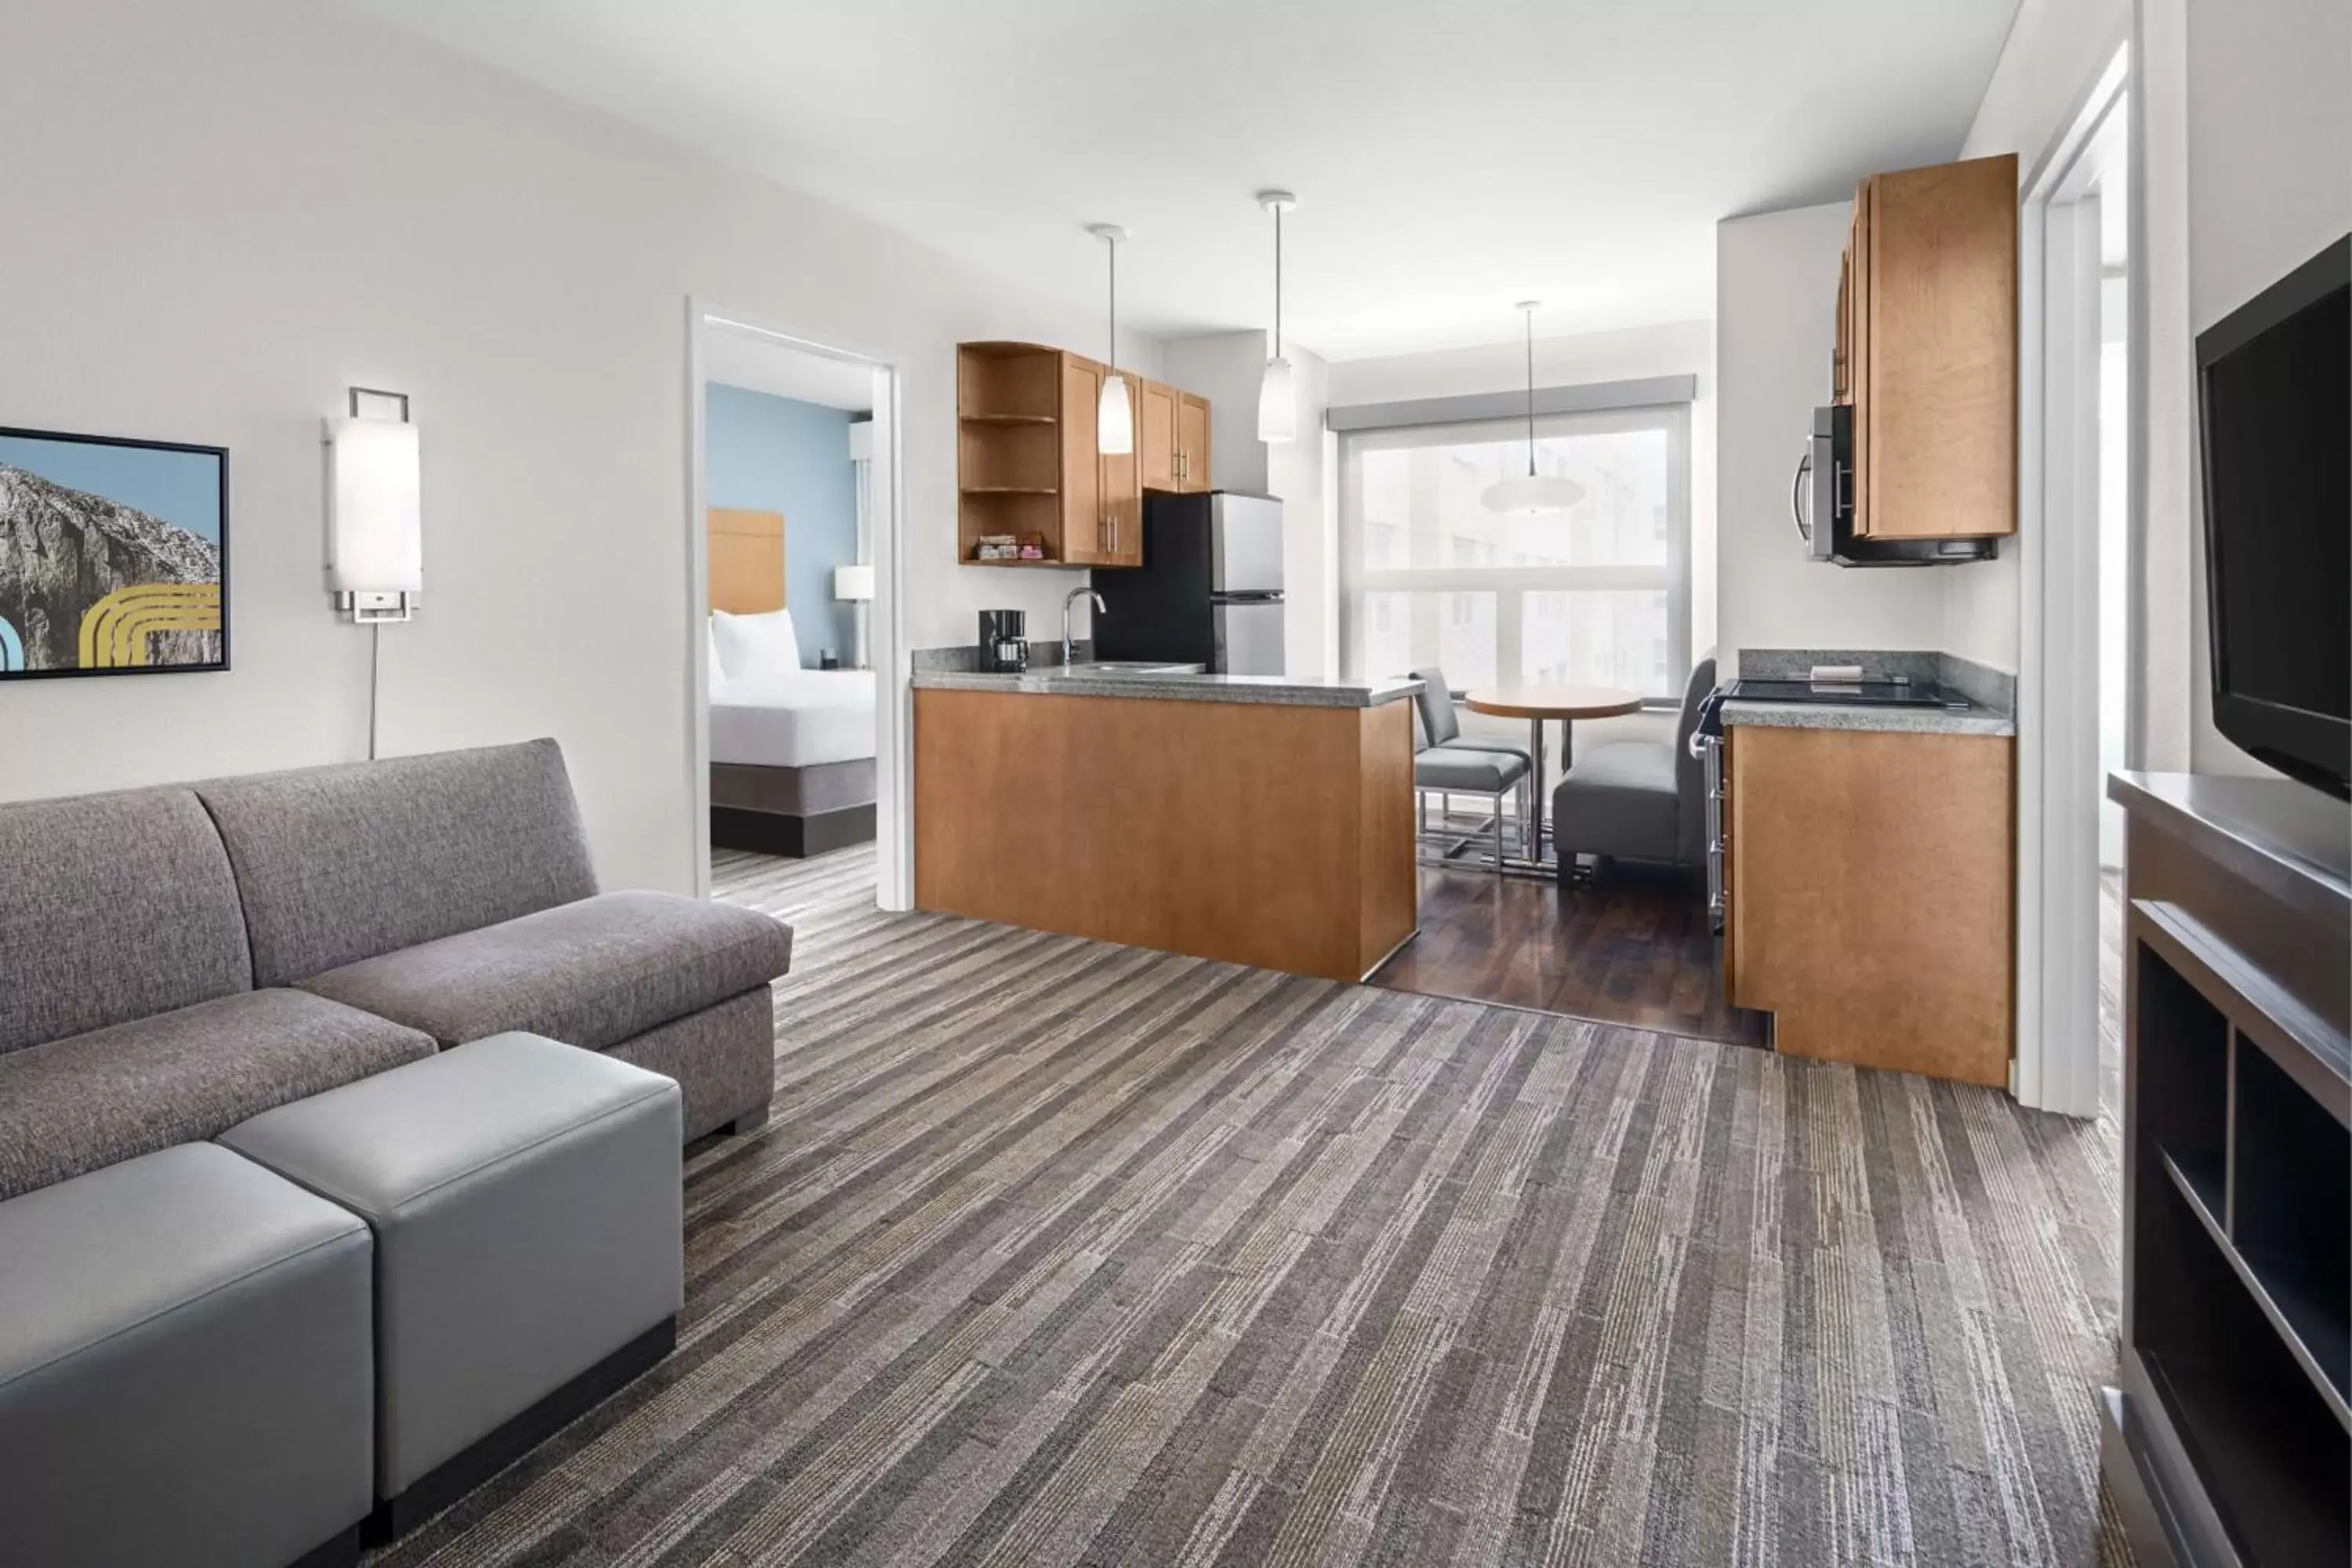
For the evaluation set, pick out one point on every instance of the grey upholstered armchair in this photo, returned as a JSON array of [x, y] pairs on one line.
[[1638, 800]]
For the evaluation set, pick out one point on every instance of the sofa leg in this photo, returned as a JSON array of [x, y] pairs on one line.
[[749, 1121]]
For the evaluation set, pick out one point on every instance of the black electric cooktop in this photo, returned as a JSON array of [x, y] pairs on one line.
[[1851, 693]]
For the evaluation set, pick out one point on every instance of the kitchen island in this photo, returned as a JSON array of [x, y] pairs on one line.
[[1260, 820]]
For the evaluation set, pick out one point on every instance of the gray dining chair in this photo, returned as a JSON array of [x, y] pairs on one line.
[[1448, 763]]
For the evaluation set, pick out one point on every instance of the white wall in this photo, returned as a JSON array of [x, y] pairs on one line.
[[1675, 348], [2055, 51], [1228, 368], [226, 214], [2168, 686], [2269, 110], [1776, 308]]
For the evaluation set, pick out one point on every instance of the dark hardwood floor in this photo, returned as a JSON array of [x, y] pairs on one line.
[[1634, 948]]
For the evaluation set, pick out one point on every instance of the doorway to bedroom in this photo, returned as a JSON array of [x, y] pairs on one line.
[[790, 515]]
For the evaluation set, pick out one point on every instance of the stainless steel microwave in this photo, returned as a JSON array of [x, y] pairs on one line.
[[1822, 502]]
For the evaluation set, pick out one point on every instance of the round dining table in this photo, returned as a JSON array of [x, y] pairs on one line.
[[1537, 704]]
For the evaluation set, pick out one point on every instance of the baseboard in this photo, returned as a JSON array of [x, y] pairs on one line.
[[463, 1471], [774, 833]]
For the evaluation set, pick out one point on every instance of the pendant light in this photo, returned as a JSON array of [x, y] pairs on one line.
[[1114, 415], [1534, 493], [1277, 407]]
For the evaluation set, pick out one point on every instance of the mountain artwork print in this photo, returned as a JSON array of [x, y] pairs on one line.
[[114, 556]]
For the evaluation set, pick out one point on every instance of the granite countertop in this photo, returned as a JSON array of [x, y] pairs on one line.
[[1975, 720], [1073, 680], [1991, 693]]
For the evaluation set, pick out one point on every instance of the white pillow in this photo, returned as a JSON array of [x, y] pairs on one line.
[[749, 647], [710, 635]]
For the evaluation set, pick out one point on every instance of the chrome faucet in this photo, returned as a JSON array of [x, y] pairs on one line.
[[1069, 643]]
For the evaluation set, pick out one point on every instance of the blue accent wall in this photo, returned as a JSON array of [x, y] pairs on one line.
[[766, 453]]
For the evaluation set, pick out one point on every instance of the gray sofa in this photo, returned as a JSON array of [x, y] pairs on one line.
[[178, 960], [1638, 800]]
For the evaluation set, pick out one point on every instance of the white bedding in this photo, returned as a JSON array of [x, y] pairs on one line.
[[793, 719]]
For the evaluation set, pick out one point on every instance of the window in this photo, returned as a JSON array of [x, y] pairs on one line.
[[1597, 595]]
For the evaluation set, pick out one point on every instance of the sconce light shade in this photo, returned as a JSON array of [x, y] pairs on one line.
[[853, 584], [375, 521]]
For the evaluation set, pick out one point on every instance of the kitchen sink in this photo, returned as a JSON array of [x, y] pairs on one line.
[[1123, 667]]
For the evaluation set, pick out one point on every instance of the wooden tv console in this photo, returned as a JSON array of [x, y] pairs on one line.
[[2229, 1440]]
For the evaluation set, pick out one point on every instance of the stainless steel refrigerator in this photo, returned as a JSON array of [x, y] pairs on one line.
[[1210, 588]]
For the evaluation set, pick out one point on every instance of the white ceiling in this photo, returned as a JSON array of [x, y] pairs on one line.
[[1452, 155]]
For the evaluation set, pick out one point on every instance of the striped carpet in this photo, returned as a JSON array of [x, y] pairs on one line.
[[1057, 1253]]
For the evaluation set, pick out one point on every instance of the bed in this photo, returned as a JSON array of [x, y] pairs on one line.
[[792, 750]]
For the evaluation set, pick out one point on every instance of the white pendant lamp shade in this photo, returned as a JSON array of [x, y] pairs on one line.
[[1525, 495], [1114, 412], [1277, 407], [1115, 417], [1531, 493]]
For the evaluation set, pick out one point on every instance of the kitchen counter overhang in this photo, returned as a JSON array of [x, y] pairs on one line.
[[1258, 821], [1976, 719]]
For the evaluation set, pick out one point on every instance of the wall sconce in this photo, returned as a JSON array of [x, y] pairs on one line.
[[375, 519]]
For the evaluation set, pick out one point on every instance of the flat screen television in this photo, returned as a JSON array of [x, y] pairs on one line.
[[2274, 406]]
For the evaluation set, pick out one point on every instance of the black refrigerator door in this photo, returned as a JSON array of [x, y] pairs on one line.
[[1161, 609]]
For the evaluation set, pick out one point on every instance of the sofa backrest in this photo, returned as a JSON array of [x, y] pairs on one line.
[[341, 863], [112, 906]]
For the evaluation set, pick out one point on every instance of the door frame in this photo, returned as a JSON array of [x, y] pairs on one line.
[[2057, 1066], [886, 630]]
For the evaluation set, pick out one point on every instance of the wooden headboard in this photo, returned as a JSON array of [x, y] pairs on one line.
[[747, 560]]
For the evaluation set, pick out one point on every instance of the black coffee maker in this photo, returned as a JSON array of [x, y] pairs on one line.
[[1004, 641]]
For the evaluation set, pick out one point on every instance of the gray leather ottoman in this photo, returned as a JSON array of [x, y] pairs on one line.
[[186, 1370], [529, 1256]]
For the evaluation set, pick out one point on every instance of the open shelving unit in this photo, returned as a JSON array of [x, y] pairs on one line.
[[2235, 1417], [1009, 446]]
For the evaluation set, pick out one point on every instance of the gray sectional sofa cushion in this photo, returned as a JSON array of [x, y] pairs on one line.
[[342, 863], [89, 1100], [112, 906], [589, 974]]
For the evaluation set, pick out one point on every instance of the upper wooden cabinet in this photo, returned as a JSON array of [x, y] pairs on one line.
[[1172, 439], [1927, 351], [1155, 436], [1192, 443], [1029, 462]]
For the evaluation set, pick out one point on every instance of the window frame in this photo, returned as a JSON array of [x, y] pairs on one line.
[[1509, 583]]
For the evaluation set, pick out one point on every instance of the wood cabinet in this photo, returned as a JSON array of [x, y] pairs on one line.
[[1155, 436], [1192, 443], [1121, 539], [1870, 896], [1927, 351], [1029, 462], [1114, 818], [1172, 439]]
